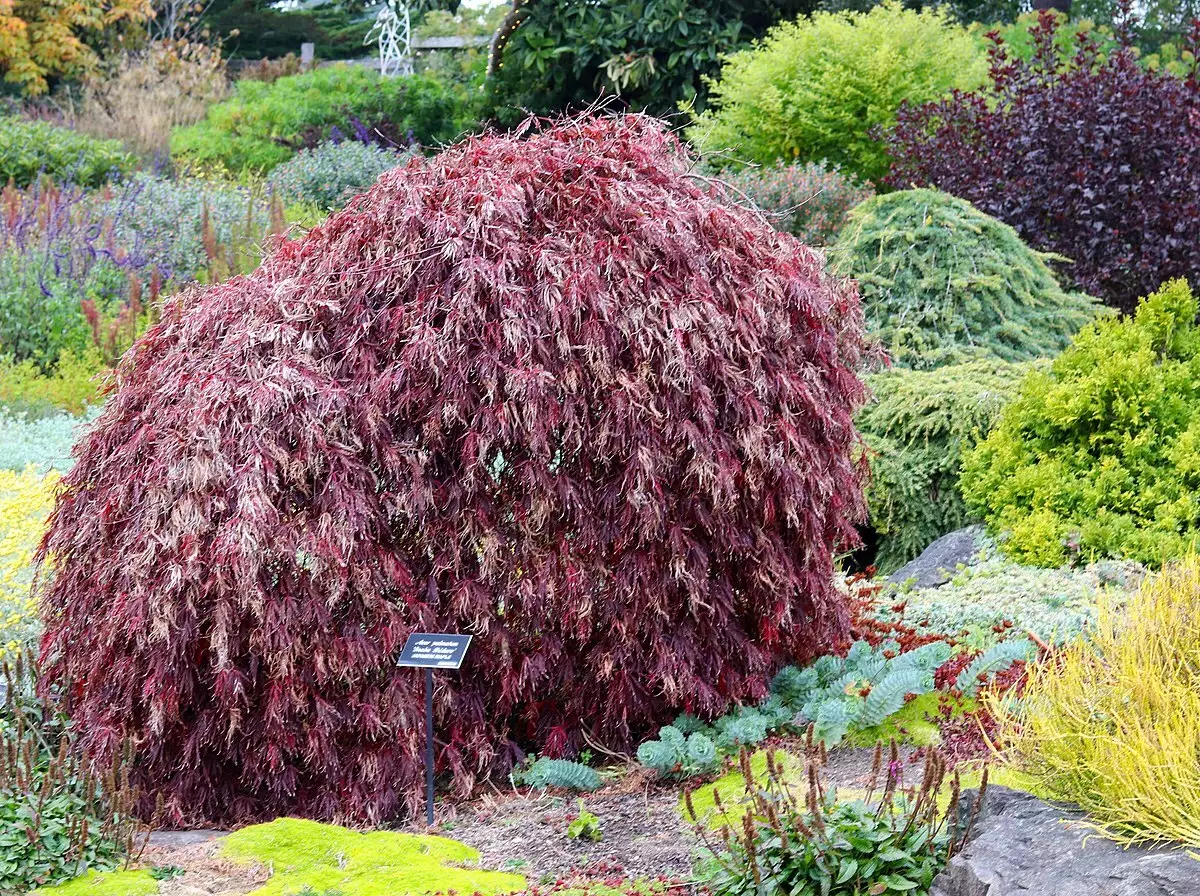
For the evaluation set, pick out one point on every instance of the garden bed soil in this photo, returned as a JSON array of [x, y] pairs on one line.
[[517, 830], [205, 874], [526, 830]]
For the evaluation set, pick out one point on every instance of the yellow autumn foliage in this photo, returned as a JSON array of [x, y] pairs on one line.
[[26, 499], [1113, 723], [40, 39]]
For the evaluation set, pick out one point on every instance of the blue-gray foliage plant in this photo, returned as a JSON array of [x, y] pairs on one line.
[[562, 773], [836, 696], [329, 174]]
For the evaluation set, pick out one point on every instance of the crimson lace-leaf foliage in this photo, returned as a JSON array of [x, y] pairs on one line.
[[545, 390], [1094, 158]]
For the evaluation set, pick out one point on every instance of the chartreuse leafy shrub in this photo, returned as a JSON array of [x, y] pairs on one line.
[[1113, 724], [789, 840], [328, 175], [324, 858], [60, 815], [26, 498], [916, 429], [1098, 455], [373, 433], [809, 201], [818, 88], [942, 282], [263, 124], [30, 150], [1025, 148], [73, 385], [992, 596]]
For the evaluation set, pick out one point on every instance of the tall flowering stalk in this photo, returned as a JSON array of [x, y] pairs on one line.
[[80, 270]]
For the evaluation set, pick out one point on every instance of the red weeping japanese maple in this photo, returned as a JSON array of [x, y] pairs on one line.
[[545, 389]]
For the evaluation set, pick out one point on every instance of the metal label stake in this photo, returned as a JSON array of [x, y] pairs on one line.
[[429, 651]]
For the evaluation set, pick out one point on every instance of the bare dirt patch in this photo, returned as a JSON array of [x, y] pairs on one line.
[[205, 874]]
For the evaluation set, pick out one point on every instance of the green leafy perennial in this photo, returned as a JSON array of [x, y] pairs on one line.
[[790, 841]]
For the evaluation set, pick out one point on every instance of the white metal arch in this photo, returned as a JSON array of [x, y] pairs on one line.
[[393, 33]]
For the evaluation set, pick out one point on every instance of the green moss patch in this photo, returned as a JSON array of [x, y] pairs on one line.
[[731, 787], [380, 863], [114, 883], [587, 886]]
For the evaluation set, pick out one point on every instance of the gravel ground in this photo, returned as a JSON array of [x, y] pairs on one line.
[[527, 833]]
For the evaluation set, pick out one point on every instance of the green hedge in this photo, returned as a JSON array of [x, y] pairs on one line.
[[1099, 456], [917, 427], [31, 149], [263, 125]]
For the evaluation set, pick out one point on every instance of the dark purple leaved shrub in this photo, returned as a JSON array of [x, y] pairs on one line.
[[1092, 157]]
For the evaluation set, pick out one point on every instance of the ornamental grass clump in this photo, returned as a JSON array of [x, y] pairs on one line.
[[943, 283], [1099, 455], [545, 389], [1113, 723]]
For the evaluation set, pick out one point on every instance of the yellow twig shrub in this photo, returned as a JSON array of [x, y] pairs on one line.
[[1113, 723]]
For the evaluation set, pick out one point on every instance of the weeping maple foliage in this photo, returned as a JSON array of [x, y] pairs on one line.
[[546, 389]]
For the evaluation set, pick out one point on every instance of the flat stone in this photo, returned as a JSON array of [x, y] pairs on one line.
[[182, 839], [938, 562], [1022, 846]]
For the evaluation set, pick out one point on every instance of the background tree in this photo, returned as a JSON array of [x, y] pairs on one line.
[[1150, 23], [41, 40], [554, 55]]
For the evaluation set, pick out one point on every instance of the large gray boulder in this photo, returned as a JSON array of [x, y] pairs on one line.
[[938, 562], [1022, 846]]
